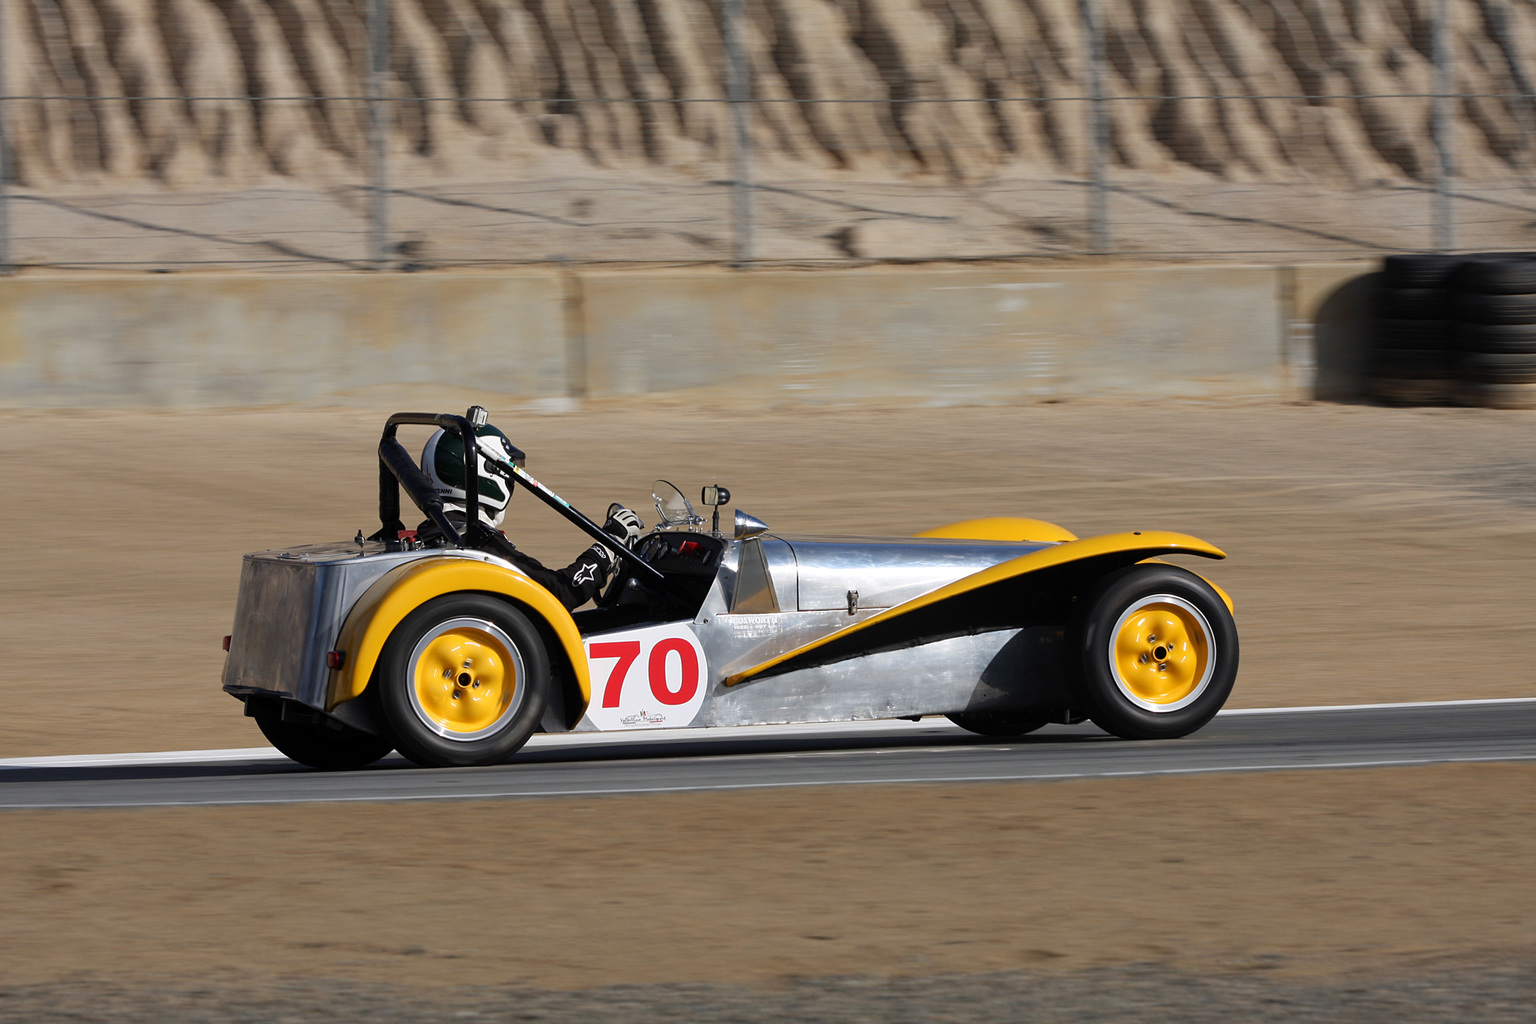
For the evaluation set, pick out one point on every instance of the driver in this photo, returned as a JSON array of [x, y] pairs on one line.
[[443, 462]]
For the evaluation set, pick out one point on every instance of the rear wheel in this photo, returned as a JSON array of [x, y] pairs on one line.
[[1159, 653], [997, 723], [463, 681], [319, 745]]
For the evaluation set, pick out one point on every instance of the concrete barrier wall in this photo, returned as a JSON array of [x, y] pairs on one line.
[[249, 340], [943, 336]]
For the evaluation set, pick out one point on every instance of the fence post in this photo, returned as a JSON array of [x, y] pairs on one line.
[[738, 91], [1442, 125], [1098, 131], [5, 160], [378, 133]]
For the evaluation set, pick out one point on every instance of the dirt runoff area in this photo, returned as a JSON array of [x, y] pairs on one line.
[[1389, 894], [1375, 554]]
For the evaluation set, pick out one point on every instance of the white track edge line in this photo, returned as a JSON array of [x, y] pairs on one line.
[[1376, 707], [543, 741], [733, 786]]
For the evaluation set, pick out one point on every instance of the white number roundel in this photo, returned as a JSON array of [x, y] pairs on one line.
[[651, 678]]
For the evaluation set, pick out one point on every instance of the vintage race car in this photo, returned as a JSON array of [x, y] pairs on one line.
[[343, 652]]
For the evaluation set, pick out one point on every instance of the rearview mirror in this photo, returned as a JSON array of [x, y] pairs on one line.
[[714, 495]]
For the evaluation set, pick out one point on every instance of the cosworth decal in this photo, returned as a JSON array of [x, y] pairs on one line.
[[649, 678]]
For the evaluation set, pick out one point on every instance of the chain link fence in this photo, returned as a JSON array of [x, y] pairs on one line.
[[439, 133]]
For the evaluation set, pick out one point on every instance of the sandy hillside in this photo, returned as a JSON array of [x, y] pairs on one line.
[[547, 59], [596, 129]]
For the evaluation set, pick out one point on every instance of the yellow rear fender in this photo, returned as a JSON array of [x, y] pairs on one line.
[[1036, 588], [401, 591]]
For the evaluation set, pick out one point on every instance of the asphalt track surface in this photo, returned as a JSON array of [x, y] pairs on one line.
[[679, 760], [930, 751]]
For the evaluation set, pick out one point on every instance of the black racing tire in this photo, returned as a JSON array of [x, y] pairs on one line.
[[1428, 335], [319, 745], [1498, 396], [1421, 391], [1414, 303], [1185, 672], [1475, 308], [463, 680], [1420, 334], [1001, 724], [1499, 367], [1418, 270], [1511, 338], [1413, 364], [1510, 273]]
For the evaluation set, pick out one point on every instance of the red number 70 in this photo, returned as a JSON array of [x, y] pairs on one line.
[[626, 651]]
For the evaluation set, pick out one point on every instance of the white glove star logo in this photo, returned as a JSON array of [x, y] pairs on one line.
[[586, 574]]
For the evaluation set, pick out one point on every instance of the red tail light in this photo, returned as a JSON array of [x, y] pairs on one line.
[[335, 659], [227, 639]]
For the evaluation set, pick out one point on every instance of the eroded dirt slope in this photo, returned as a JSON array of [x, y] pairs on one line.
[[549, 64]]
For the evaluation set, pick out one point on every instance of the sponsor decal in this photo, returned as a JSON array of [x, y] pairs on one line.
[[522, 474], [647, 678]]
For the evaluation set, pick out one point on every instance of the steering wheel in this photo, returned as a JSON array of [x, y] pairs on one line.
[[621, 577], [609, 594]]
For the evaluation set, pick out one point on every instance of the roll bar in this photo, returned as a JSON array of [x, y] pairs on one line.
[[397, 469]]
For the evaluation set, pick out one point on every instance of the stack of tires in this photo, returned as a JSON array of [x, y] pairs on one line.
[[1496, 330], [1413, 356]]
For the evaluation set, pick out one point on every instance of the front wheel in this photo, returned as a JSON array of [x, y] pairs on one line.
[[463, 681], [1158, 652]]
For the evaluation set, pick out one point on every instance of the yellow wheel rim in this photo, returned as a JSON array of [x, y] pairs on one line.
[[466, 679], [1161, 653]]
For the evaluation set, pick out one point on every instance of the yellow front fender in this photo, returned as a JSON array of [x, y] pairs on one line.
[[401, 591]]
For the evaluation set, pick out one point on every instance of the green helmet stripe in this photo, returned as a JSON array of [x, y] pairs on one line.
[[448, 460]]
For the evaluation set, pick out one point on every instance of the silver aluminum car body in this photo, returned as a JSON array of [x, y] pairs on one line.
[[811, 580], [796, 589]]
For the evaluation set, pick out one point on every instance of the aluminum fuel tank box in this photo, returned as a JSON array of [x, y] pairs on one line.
[[291, 606]]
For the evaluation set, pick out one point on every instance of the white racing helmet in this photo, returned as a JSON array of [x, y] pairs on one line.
[[443, 462]]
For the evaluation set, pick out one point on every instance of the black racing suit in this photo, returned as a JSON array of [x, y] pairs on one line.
[[574, 585]]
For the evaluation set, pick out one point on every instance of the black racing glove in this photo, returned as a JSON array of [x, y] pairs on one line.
[[604, 558], [623, 526]]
